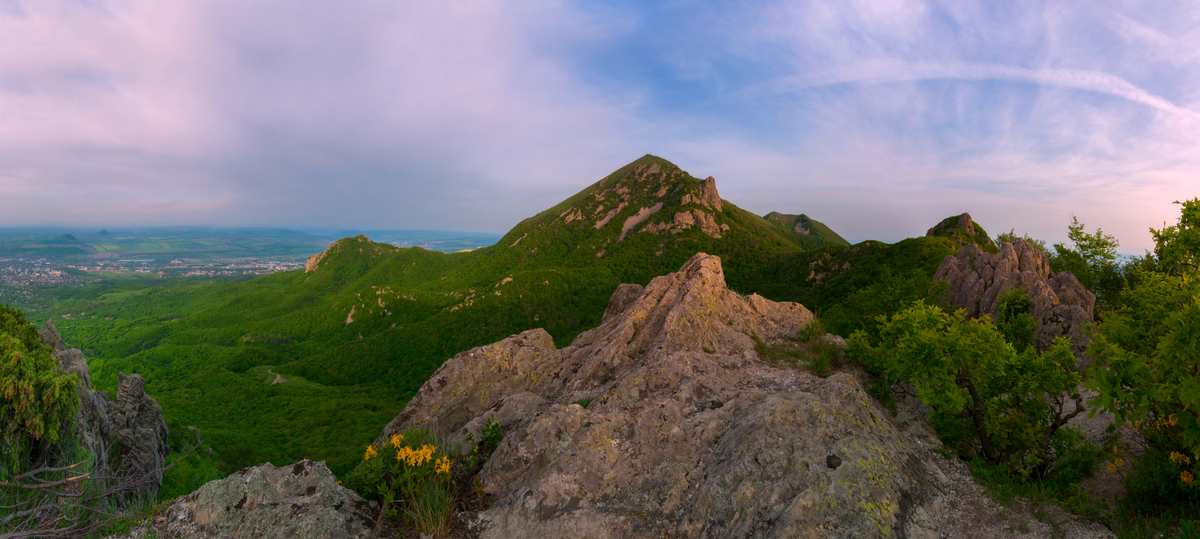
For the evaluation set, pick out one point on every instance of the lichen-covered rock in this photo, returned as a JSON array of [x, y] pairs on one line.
[[302, 500], [1060, 304], [687, 432], [126, 436]]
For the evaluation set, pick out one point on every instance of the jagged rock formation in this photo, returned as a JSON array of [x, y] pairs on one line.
[[132, 427], [687, 432], [1061, 305], [302, 500]]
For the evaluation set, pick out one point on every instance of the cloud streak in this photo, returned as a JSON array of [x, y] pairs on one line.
[[877, 117]]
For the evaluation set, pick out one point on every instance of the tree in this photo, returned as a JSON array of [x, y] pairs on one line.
[[1178, 246], [1008, 237], [1093, 260], [1015, 402], [1147, 363]]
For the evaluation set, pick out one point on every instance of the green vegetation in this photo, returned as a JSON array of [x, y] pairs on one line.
[[814, 234], [36, 400], [411, 478], [1147, 369], [985, 394]]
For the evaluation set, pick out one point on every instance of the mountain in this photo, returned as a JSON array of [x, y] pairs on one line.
[[358, 332], [815, 233]]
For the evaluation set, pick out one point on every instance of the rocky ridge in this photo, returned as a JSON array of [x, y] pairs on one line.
[[686, 430], [1060, 304], [128, 436]]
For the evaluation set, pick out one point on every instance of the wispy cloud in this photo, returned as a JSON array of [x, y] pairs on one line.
[[878, 117]]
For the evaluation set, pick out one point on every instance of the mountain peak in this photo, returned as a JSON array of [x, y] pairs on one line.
[[964, 230]]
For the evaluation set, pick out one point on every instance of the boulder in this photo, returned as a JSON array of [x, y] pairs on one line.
[[1060, 304], [687, 431], [133, 427], [302, 500]]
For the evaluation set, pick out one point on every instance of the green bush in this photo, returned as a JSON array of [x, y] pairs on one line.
[[982, 390], [36, 401]]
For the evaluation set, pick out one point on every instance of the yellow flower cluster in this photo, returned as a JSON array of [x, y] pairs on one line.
[[443, 465], [1166, 421], [1116, 463], [1186, 478], [371, 452], [415, 457], [397, 439], [1180, 458]]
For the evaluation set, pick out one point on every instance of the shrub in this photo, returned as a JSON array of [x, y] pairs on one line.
[[36, 401], [411, 478], [982, 390]]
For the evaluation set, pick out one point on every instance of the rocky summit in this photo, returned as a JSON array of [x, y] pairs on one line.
[[664, 421], [1059, 303]]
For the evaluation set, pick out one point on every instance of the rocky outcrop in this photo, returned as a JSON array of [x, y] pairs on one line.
[[1062, 306], [132, 428], [686, 431], [302, 500]]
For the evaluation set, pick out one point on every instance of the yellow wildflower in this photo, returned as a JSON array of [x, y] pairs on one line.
[[1180, 458], [406, 455], [1186, 477], [443, 465], [1117, 463], [397, 439], [371, 452]]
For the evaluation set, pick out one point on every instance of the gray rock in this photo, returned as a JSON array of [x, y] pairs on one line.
[[689, 432], [1060, 304], [133, 427], [302, 500]]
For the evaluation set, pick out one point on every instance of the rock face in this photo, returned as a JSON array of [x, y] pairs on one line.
[[687, 432], [1061, 305], [133, 426], [298, 501]]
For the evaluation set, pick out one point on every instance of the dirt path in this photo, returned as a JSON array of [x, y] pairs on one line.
[[278, 379]]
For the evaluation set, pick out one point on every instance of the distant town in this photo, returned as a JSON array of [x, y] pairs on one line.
[[23, 278]]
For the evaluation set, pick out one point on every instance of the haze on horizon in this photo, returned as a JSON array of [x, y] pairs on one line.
[[877, 118]]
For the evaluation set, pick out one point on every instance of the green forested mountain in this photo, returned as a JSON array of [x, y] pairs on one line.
[[815, 233], [365, 324]]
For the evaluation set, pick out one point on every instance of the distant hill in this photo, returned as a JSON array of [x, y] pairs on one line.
[[810, 228]]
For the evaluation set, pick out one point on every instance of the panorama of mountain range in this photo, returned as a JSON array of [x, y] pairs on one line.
[[277, 346]]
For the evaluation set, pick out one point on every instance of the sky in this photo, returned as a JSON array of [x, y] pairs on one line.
[[878, 118]]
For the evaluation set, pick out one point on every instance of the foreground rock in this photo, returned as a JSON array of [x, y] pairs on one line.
[[302, 500], [686, 432], [132, 428], [1062, 306]]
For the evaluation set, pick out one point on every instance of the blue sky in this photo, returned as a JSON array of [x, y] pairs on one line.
[[877, 118]]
